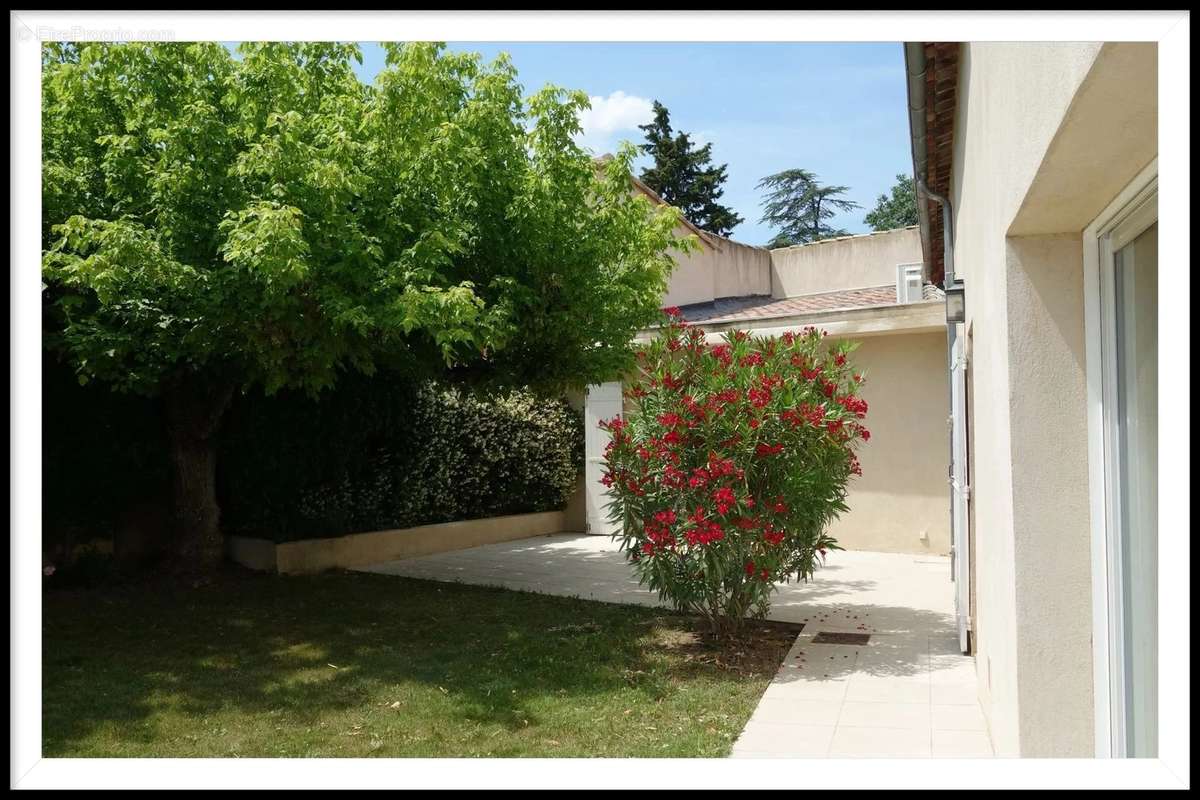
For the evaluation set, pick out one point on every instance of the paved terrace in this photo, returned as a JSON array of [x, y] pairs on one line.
[[908, 692]]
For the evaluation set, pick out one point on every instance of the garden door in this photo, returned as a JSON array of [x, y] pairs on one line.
[[1128, 266], [603, 401]]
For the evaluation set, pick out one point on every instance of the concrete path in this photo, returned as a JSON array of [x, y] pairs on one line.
[[907, 692]]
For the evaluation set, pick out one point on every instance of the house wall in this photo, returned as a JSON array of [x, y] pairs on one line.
[[1045, 135], [900, 504], [720, 268], [851, 262]]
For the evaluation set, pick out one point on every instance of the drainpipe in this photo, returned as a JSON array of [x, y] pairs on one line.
[[959, 550], [914, 59]]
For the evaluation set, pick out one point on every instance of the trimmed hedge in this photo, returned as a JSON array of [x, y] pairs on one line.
[[102, 454], [380, 453], [375, 453]]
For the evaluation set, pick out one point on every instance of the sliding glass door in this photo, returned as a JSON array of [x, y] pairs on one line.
[[1129, 322]]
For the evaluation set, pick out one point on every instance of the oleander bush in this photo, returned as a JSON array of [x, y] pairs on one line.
[[730, 464]]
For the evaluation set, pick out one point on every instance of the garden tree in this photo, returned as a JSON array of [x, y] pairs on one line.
[[897, 211], [682, 175], [731, 462], [799, 206], [215, 224]]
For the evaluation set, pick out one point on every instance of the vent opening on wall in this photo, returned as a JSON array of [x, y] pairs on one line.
[[836, 637], [908, 283]]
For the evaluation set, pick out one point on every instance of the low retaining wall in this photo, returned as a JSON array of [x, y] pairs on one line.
[[360, 549]]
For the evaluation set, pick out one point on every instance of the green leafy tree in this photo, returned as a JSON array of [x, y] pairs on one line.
[[799, 206], [683, 175], [897, 211], [214, 224]]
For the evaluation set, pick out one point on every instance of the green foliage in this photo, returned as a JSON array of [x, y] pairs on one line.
[[798, 205], [731, 463], [682, 175], [102, 453], [378, 453], [897, 211], [270, 220]]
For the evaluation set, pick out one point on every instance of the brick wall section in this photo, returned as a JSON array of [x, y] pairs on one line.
[[941, 85]]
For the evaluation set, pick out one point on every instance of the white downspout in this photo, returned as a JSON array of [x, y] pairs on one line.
[[959, 548]]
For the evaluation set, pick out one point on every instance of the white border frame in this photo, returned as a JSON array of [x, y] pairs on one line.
[[27, 769], [1107, 682]]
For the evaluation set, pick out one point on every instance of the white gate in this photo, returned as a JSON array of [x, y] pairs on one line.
[[602, 401], [960, 547]]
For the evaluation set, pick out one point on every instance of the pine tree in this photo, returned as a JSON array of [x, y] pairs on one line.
[[799, 206], [683, 175]]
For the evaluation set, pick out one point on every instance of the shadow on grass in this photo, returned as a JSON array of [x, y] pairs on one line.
[[287, 654]]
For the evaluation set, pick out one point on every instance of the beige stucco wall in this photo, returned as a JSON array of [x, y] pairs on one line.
[[719, 268], [375, 547], [1045, 135], [902, 492], [852, 262], [900, 504]]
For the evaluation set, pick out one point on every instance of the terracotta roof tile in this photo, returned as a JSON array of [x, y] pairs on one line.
[[765, 307]]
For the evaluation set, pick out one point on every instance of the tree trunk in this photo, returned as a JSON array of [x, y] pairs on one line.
[[194, 409]]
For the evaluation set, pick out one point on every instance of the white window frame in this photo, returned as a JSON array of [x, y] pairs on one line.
[[1122, 219]]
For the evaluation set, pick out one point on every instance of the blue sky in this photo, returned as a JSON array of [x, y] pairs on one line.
[[835, 109]]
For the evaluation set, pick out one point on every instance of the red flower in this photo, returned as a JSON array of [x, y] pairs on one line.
[[773, 536], [751, 360], [724, 499], [673, 312], [764, 449]]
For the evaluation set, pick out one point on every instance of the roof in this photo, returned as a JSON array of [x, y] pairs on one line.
[[733, 309], [940, 98]]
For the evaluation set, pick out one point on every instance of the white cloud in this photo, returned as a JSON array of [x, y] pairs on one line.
[[616, 114]]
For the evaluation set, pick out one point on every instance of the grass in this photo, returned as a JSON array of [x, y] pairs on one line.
[[352, 665]]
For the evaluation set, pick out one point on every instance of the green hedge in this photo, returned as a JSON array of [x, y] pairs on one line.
[[102, 454], [380, 453], [375, 453]]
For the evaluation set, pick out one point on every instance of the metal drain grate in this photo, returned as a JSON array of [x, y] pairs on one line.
[[831, 637]]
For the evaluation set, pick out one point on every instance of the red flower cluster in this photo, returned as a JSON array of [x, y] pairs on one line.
[[752, 360], [725, 499], [855, 405], [765, 449], [658, 533], [705, 531]]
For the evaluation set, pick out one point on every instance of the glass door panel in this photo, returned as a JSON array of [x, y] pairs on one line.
[[1135, 284]]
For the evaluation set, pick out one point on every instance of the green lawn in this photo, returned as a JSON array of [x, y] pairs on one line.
[[349, 665]]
